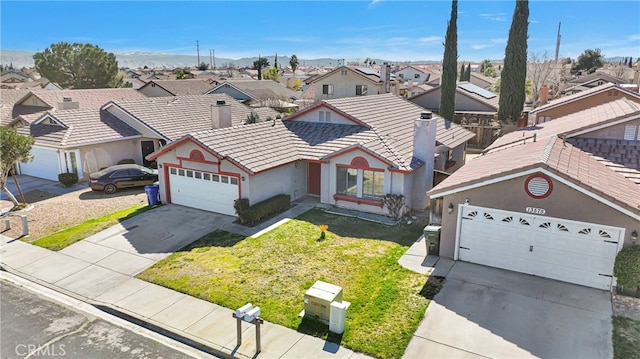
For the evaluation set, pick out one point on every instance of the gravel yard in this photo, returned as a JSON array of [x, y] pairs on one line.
[[52, 212]]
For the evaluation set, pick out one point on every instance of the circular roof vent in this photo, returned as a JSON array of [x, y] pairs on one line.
[[538, 186]]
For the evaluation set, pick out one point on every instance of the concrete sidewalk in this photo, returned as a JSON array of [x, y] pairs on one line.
[[103, 276]]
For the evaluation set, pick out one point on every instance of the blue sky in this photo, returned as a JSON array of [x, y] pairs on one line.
[[387, 29]]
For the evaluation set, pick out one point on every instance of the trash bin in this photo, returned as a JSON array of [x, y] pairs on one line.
[[432, 239], [152, 194]]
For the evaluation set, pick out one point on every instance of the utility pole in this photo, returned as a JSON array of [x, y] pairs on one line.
[[198, 50], [558, 41], [214, 58], [210, 59]]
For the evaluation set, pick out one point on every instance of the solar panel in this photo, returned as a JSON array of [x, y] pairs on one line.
[[477, 90], [368, 71]]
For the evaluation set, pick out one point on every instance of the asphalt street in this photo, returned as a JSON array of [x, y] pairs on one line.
[[33, 326]]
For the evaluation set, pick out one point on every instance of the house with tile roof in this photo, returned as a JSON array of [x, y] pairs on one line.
[[350, 81], [258, 93], [161, 88], [347, 152], [582, 83], [482, 81], [557, 200], [86, 139], [581, 100], [412, 73]]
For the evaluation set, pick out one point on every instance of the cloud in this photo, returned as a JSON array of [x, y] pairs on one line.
[[494, 17], [430, 39], [374, 3], [534, 21], [480, 46], [634, 37], [294, 39]]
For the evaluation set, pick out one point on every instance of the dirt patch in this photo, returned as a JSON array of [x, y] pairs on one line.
[[52, 212], [626, 306]]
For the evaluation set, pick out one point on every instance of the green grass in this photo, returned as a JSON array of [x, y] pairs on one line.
[[66, 237], [276, 269], [626, 338]]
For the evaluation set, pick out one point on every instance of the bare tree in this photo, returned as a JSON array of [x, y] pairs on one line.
[[540, 73], [619, 71]]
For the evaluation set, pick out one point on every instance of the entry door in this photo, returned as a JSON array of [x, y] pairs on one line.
[[313, 180], [147, 149], [72, 162]]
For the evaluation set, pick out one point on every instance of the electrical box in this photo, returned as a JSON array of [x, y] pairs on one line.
[[318, 299], [338, 316]]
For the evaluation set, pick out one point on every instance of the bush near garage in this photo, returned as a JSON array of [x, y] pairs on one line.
[[627, 269], [127, 161], [252, 215], [68, 179]]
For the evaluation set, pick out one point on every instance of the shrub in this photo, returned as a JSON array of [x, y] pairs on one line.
[[627, 268], [68, 179], [254, 214], [126, 161], [394, 203]]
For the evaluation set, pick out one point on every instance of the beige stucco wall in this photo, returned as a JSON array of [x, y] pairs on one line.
[[582, 104], [107, 154], [345, 85], [564, 202], [154, 91], [34, 101], [314, 116]]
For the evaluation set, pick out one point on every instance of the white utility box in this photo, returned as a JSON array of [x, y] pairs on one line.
[[338, 315], [318, 299]]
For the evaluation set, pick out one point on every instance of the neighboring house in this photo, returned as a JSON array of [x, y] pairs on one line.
[[41, 101], [590, 81], [557, 201], [412, 73], [482, 81], [85, 140], [78, 141], [257, 92], [347, 152], [8, 98], [161, 88], [13, 76], [350, 81], [579, 101]]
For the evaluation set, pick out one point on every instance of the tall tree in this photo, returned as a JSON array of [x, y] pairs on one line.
[[14, 148], [79, 66], [462, 72], [514, 71], [589, 60], [450, 66], [259, 64], [293, 61], [467, 73], [631, 61], [539, 72]]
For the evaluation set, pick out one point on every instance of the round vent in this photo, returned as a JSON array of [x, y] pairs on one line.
[[538, 186]]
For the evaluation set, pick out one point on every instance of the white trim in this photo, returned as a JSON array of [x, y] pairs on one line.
[[456, 252], [103, 141], [52, 118], [548, 173], [599, 127]]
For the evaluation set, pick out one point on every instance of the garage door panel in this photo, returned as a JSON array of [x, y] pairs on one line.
[[203, 190], [44, 164], [577, 252]]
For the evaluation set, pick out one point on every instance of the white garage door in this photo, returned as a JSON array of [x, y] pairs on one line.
[[570, 251], [203, 190], [44, 165]]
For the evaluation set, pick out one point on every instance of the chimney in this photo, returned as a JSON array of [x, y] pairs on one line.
[[385, 76], [68, 104], [220, 115], [424, 143], [544, 95]]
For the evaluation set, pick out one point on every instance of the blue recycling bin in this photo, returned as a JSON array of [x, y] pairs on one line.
[[152, 194]]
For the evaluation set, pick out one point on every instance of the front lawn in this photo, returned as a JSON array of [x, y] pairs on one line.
[[276, 269], [66, 237], [626, 337]]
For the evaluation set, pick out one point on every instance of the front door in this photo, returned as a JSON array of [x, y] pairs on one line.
[[313, 179], [147, 149]]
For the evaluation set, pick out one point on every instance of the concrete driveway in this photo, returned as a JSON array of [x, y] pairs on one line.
[[29, 183], [489, 312]]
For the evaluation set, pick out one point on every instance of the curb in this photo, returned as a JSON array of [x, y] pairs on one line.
[[220, 352]]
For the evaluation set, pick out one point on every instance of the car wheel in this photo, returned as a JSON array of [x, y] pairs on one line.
[[110, 188]]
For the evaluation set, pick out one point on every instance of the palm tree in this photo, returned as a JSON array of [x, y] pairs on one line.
[[294, 63]]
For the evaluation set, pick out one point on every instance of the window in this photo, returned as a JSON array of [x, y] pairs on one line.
[[173, 171], [180, 172], [234, 181], [324, 116], [216, 178], [189, 173], [224, 179], [206, 177], [372, 184], [347, 181], [198, 175], [361, 90], [343, 72], [630, 132], [416, 76], [327, 89]]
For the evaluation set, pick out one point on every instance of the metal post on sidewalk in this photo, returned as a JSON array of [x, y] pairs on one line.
[[25, 225], [238, 329], [257, 323]]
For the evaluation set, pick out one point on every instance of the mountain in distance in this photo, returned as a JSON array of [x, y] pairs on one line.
[[139, 59]]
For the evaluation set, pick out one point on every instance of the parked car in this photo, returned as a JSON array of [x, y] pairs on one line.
[[116, 177]]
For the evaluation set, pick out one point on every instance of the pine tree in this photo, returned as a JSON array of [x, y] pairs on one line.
[[631, 62], [450, 67], [467, 74], [462, 72], [514, 71]]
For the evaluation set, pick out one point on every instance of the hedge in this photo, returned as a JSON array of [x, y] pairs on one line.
[[68, 179], [258, 212], [627, 268]]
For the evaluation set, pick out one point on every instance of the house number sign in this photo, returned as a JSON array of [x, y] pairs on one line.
[[535, 210]]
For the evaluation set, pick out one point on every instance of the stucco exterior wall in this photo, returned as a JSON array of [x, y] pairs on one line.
[[615, 132], [345, 85], [154, 91], [226, 88], [582, 104], [431, 101], [314, 116], [107, 154], [409, 73], [34, 101], [288, 179], [563, 202]]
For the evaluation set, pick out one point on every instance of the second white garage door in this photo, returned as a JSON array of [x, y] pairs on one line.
[[45, 164], [570, 251], [203, 190]]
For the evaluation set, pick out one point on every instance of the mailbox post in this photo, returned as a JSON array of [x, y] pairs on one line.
[[251, 315]]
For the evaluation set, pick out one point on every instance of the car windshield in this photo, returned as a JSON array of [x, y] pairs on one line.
[[145, 170]]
